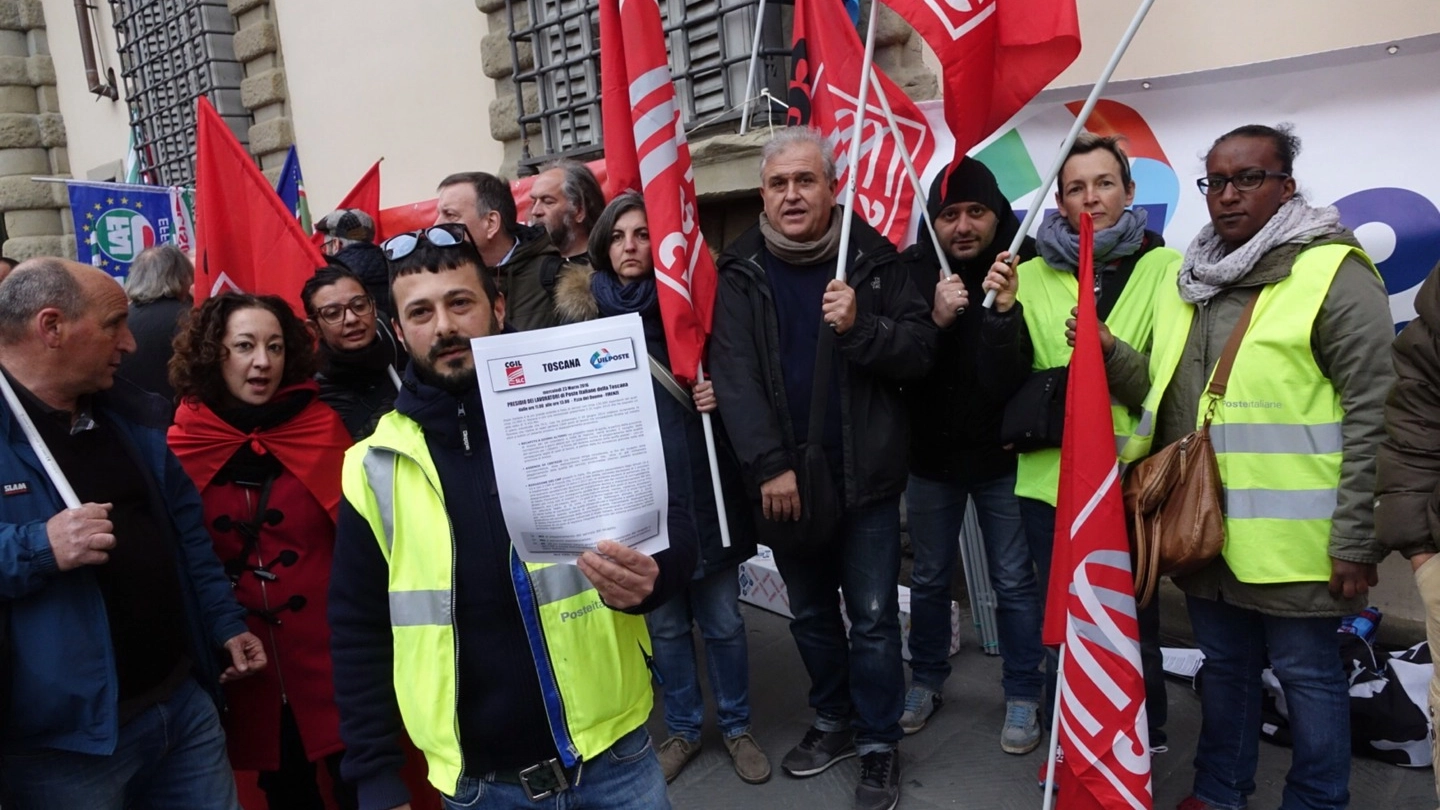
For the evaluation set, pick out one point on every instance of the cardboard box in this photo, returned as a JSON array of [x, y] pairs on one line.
[[762, 586]]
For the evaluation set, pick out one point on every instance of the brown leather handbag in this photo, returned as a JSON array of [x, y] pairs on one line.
[[1174, 499]]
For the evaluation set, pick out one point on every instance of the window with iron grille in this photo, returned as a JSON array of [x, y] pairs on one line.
[[171, 53], [708, 42]]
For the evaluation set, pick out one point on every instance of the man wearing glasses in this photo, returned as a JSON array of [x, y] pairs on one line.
[[1296, 433], [360, 360], [518, 682]]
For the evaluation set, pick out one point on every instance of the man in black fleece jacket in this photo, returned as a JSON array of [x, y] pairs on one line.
[[506, 700]]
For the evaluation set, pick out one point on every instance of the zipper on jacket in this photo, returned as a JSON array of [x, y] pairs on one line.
[[464, 435]]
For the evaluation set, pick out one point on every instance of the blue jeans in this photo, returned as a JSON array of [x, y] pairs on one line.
[[625, 777], [1305, 653], [937, 511], [862, 679], [170, 756], [713, 602]]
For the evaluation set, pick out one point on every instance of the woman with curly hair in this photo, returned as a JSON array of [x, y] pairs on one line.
[[265, 454]]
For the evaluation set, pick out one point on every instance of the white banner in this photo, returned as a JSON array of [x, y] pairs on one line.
[[1368, 120]]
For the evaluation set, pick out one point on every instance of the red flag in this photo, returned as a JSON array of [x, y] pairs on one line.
[[365, 196], [995, 55], [645, 149], [245, 239], [1090, 607], [824, 88]]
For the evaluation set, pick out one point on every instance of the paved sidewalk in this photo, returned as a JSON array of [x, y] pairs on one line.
[[956, 761]]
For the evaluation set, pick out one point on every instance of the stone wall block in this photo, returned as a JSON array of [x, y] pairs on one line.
[[41, 70], [275, 135], [891, 28], [14, 43], [17, 98], [238, 7], [60, 162], [15, 72], [504, 117], [254, 41], [489, 6], [24, 162], [18, 130], [34, 222], [21, 15], [48, 99], [21, 193], [52, 129], [495, 55], [39, 42], [28, 247], [267, 87]]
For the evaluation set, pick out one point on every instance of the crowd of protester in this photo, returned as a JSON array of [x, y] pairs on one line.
[[289, 556]]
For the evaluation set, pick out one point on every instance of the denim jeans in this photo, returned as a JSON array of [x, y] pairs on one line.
[[937, 510], [1305, 653], [862, 680], [712, 602], [169, 757], [1039, 520], [626, 777]]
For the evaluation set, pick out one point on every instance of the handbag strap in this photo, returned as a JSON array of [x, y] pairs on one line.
[[1221, 378], [820, 391]]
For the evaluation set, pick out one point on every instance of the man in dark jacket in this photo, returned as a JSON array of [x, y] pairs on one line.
[[956, 454], [1407, 503], [778, 300], [360, 360], [349, 240], [509, 677], [117, 607], [525, 262]]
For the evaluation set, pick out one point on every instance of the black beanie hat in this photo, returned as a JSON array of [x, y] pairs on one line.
[[969, 181]]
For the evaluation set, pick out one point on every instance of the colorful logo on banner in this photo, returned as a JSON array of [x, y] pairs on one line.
[[114, 223]]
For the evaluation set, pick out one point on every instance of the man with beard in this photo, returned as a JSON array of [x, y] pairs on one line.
[[509, 677], [956, 455], [566, 199], [360, 360]]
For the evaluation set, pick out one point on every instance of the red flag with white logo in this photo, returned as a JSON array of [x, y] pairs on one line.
[[1090, 607], [824, 87], [995, 55], [645, 149]]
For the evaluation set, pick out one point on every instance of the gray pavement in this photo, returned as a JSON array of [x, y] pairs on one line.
[[956, 761]]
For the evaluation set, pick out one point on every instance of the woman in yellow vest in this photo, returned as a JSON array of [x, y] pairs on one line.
[[1025, 334], [1295, 435]]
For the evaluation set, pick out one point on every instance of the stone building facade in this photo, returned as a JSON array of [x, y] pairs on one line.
[[32, 138]]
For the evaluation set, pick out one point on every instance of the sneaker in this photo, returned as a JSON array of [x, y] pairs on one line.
[[818, 751], [1044, 766], [675, 753], [879, 787], [750, 762], [920, 703], [1021, 733]]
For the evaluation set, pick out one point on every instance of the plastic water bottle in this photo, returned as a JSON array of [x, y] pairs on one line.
[[1363, 624]]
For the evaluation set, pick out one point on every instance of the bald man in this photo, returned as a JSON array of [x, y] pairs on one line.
[[119, 611]]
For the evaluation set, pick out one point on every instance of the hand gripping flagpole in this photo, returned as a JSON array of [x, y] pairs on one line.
[[910, 170], [47, 460], [1038, 200], [852, 175], [714, 464]]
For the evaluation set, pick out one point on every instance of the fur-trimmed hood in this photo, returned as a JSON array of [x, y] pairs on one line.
[[574, 301]]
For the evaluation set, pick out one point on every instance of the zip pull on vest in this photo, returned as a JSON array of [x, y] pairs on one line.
[[464, 429]]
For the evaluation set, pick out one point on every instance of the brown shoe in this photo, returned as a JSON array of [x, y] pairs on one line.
[[675, 753], [750, 762]]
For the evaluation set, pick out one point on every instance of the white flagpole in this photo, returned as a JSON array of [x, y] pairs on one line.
[[750, 74], [852, 177], [1038, 200], [910, 170], [47, 460], [714, 463], [1054, 732], [394, 377]]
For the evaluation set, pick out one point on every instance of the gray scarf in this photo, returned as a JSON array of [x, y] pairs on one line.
[[1059, 245], [789, 251], [1208, 269]]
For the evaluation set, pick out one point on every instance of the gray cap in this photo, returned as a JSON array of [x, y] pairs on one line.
[[348, 223]]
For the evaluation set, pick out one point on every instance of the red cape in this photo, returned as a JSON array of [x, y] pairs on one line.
[[311, 445]]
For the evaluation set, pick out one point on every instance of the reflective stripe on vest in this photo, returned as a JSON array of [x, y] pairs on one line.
[[590, 660], [1277, 434], [1047, 295]]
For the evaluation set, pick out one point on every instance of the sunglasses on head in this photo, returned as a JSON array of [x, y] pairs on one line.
[[445, 234]]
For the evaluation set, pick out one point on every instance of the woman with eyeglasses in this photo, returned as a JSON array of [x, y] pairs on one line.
[[265, 454], [360, 360], [623, 282], [1029, 336]]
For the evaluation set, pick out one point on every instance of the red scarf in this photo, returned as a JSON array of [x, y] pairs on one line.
[[311, 444]]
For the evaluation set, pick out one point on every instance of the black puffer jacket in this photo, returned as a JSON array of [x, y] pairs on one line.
[[954, 422], [893, 340]]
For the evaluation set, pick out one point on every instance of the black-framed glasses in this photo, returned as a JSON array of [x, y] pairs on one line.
[[444, 234], [360, 305], [1248, 180]]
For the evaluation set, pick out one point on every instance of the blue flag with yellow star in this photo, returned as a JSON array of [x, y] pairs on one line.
[[115, 221]]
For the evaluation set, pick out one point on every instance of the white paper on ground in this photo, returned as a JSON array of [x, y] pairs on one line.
[[1182, 661]]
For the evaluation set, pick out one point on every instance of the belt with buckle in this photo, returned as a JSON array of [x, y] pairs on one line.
[[541, 780]]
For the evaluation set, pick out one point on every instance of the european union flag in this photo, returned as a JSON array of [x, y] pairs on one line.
[[115, 221], [291, 188]]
